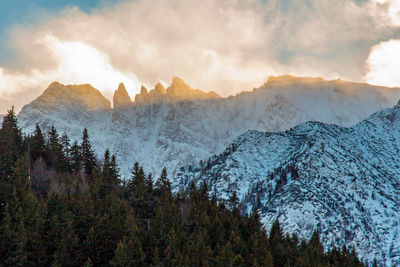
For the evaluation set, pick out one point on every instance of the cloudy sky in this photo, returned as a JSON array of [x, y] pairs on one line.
[[221, 45]]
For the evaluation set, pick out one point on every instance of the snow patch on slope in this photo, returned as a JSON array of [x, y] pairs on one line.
[[345, 182]]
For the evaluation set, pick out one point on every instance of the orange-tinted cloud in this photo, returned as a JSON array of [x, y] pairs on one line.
[[221, 45]]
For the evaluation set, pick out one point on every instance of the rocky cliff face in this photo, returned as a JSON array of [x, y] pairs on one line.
[[344, 182], [121, 97], [178, 91]]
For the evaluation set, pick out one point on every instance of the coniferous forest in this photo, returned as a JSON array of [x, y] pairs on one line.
[[61, 206]]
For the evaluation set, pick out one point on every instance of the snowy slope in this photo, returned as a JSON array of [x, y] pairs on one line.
[[180, 125], [345, 182]]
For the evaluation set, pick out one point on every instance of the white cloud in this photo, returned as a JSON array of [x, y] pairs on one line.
[[384, 64], [392, 8], [221, 45], [81, 63]]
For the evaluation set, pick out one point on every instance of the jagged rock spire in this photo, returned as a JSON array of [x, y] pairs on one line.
[[177, 91], [159, 90], [121, 97], [142, 98]]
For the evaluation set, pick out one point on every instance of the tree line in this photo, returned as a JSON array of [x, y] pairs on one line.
[[61, 206]]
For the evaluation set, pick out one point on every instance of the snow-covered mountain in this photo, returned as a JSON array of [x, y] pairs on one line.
[[345, 182], [179, 125]]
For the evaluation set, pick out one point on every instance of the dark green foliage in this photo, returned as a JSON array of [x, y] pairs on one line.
[[62, 207], [55, 152], [87, 153], [75, 158], [10, 144], [36, 145]]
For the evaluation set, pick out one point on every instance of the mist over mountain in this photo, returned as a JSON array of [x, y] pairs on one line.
[[180, 125]]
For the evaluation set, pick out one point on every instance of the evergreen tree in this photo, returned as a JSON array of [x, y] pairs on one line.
[[34, 212], [276, 244], [37, 145], [55, 151], [88, 157], [163, 185], [114, 169], [129, 251], [20, 178], [110, 170], [10, 144], [137, 189], [15, 254], [75, 157]]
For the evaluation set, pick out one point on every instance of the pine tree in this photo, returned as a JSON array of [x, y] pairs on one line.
[[55, 151], [100, 242], [17, 255], [10, 144], [88, 157], [37, 145], [163, 185], [110, 170], [20, 178], [75, 157], [276, 244], [34, 212], [132, 242], [137, 189], [6, 234], [114, 169]]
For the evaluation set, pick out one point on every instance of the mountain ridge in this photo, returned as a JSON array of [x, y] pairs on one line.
[[342, 181], [177, 133]]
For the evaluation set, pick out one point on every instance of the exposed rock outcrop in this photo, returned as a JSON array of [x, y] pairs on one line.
[[81, 97], [121, 97], [176, 92]]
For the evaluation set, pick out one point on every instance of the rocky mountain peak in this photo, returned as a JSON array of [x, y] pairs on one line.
[[179, 88], [143, 90], [181, 91], [143, 97], [121, 97], [177, 81], [159, 90], [59, 96]]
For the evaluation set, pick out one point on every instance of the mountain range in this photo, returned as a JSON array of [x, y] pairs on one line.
[[179, 125]]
